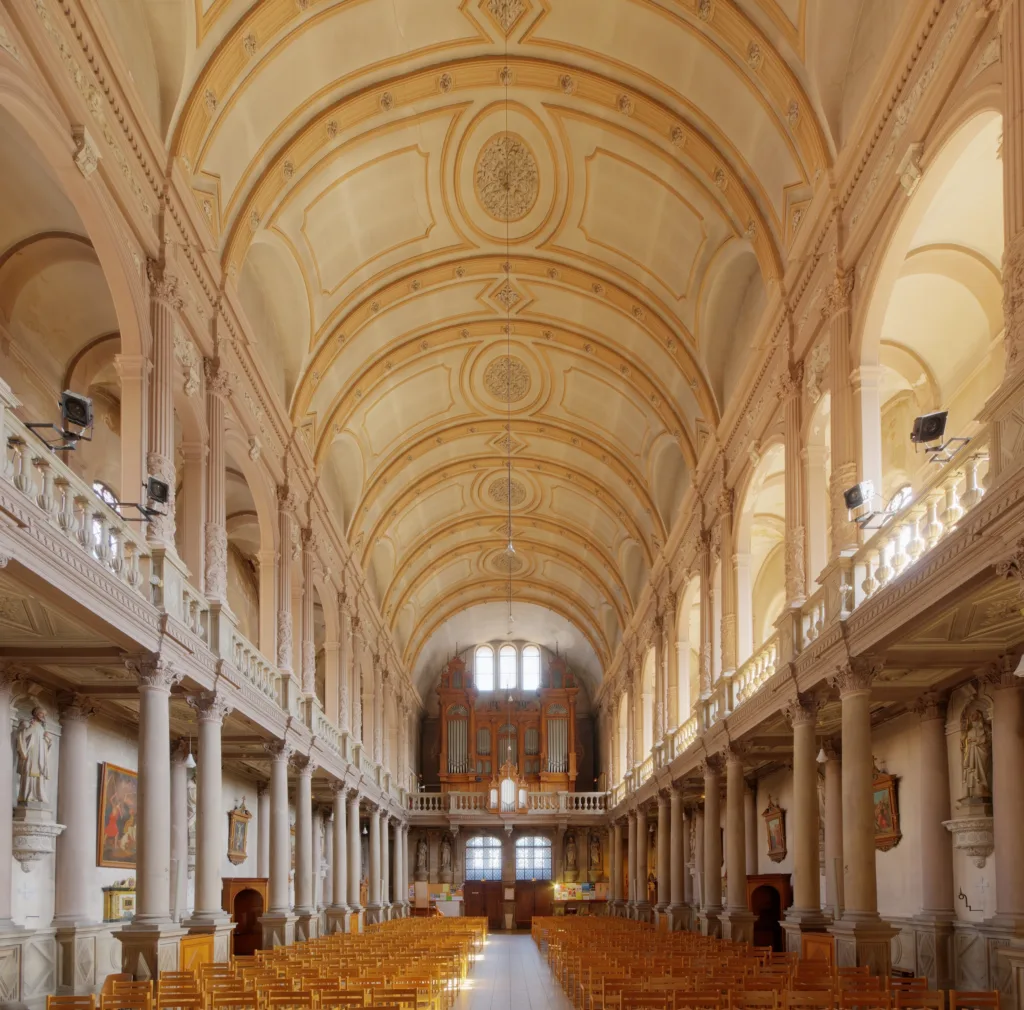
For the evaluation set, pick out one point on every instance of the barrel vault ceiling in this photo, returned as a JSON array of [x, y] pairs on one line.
[[430, 206]]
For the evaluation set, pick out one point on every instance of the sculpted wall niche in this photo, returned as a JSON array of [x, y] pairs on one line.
[[972, 827]]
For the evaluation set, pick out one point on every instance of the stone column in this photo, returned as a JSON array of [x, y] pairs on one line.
[[215, 532], [616, 868], [8, 677], [750, 822], [1007, 795], [643, 906], [337, 912], [308, 649], [344, 663], [318, 858], [744, 610], [373, 906], [707, 633], [737, 923], [208, 916], [133, 372], [285, 511], [76, 810], [833, 830], [305, 926], [710, 917], [698, 900], [805, 915], [861, 936], [179, 830], [672, 658], [791, 393], [660, 690], [278, 921], [678, 843], [728, 604], [937, 915], [354, 855], [165, 304], [151, 940], [397, 894], [191, 508], [631, 864], [385, 867], [262, 830], [665, 877]]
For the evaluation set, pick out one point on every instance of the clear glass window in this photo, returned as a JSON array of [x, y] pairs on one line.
[[507, 668], [484, 668], [533, 858], [531, 668], [483, 859]]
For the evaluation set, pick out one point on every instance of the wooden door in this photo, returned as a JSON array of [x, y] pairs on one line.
[[473, 897], [495, 905], [543, 898], [524, 903]]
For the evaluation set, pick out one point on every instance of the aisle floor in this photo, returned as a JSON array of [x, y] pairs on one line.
[[512, 975]]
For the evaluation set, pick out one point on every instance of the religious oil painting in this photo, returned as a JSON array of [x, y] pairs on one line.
[[238, 833], [775, 825], [118, 812], [886, 811]]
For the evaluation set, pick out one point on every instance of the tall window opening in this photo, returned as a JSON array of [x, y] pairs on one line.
[[483, 668], [531, 668], [483, 858], [533, 858], [507, 668]]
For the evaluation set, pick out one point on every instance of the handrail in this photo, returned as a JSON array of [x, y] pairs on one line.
[[253, 666], [756, 670]]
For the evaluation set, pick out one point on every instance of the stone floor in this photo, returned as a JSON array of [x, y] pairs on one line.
[[512, 975]]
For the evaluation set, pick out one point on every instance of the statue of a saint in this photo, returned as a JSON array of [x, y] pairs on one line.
[[976, 755], [421, 857], [570, 852], [190, 812], [34, 745], [446, 855], [595, 852]]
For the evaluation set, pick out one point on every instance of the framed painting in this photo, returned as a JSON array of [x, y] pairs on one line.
[[117, 819], [887, 813], [238, 833], [775, 825]]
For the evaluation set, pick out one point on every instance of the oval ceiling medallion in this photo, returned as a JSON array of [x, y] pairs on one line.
[[501, 486], [505, 564], [507, 180], [507, 379]]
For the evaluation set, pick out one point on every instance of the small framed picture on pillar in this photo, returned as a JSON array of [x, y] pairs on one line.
[[775, 825], [118, 810], [238, 833], [886, 812]]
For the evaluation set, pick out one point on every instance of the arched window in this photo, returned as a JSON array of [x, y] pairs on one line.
[[533, 858], [110, 499], [531, 668], [483, 668], [507, 668], [483, 858]]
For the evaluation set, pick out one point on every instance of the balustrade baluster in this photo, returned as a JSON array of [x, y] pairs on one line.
[[22, 477], [933, 530], [973, 492], [45, 499], [65, 504], [953, 511]]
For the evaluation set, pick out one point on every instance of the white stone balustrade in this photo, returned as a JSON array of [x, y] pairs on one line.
[[756, 671], [253, 666]]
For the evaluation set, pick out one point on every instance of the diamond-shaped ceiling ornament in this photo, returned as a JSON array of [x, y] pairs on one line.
[[507, 444], [506, 14]]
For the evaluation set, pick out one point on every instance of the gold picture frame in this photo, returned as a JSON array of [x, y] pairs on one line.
[[775, 826], [116, 842], [238, 833], [886, 812]]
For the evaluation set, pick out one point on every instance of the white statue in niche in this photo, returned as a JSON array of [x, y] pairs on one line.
[[190, 814], [976, 753], [34, 745]]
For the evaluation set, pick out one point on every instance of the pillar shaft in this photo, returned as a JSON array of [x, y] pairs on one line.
[[641, 857], [806, 873], [385, 861], [736, 833], [308, 650], [616, 868], [211, 711], [179, 830], [792, 392], [728, 605], [833, 832], [318, 858], [936, 841], [285, 508], [354, 850], [76, 810], [262, 831], [712, 838], [215, 532], [339, 880], [750, 821], [374, 882], [631, 857], [665, 877], [1008, 796], [677, 848], [672, 648], [698, 860], [861, 887], [707, 633], [304, 841], [280, 832], [836, 312]]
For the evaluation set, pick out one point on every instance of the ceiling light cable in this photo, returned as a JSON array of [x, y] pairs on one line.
[[510, 550]]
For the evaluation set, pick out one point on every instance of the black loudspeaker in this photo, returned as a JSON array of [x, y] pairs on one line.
[[929, 427]]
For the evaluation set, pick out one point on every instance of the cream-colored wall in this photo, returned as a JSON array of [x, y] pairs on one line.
[[243, 595], [778, 787]]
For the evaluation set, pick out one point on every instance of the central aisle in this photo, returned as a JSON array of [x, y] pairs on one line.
[[511, 976]]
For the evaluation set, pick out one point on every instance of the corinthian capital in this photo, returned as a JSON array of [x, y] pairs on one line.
[[218, 378], [210, 706], [153, 671], [163, 284], [855, 676], [837, 295]]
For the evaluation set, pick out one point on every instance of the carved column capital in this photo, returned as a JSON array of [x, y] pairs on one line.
[[855, 676], [931, 705], [163, 284], [711, 765], [210, 706], [153, 671], [802, 710], [218, 378], [279, 750], [838, 295], [286, 501], [75, 707]]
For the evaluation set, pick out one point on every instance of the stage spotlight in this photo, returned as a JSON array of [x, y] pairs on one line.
[[75, 423], [858, 495], [929, 428]]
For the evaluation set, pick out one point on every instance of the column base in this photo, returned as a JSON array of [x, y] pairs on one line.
[[278, 929], [338, 918], [80, 948], [934, 940], [307, 925], [148, 950], [799, 921], [864, 941], [710, 921], [678, 917], [372, 914], [738, 925], [643, 912], [1014, 956], [221, 930]]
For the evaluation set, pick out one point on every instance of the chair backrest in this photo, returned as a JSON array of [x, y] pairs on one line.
[[744, 998], [70, 1003], [864, 999], [960, 999], [808, 998], [919, 983], [919, 999], [108, 982]]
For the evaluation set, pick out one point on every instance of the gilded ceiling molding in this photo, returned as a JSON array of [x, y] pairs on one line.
[[481, 549], [302, 153], [467, 596], [442, 474], [342, 328], [575, 535]]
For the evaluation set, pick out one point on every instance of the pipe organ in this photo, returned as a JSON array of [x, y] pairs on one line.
[[483, 731]]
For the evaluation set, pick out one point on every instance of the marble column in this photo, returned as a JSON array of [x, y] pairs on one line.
[[278, 921], [305, 926], [616, 868], [318, 859], [385, 867], [285, 510], [643, 906], [354, 855], [179, 830], [76, 810], [262, 830], [1008, 800], [631, 864], [737, 923], [373, 905], [677, 859], [937, 915], [672, 658], [337, 912], [833, 830], [707, 632], [861, 936], [150, 942], [665, 877], [698, 895], [792, 397], [750, 822], [710, 916], [805, 914], [728, 604], [211, 710], [397, 894], [215, 530], [308, 649]]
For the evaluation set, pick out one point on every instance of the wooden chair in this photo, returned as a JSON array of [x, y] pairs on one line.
[[864, 999], [816, 999], [699, 1001], [919, 999], [960, 999], [745, 999], [917, 984], [108, 982], [70, 1003], [341, 998]]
